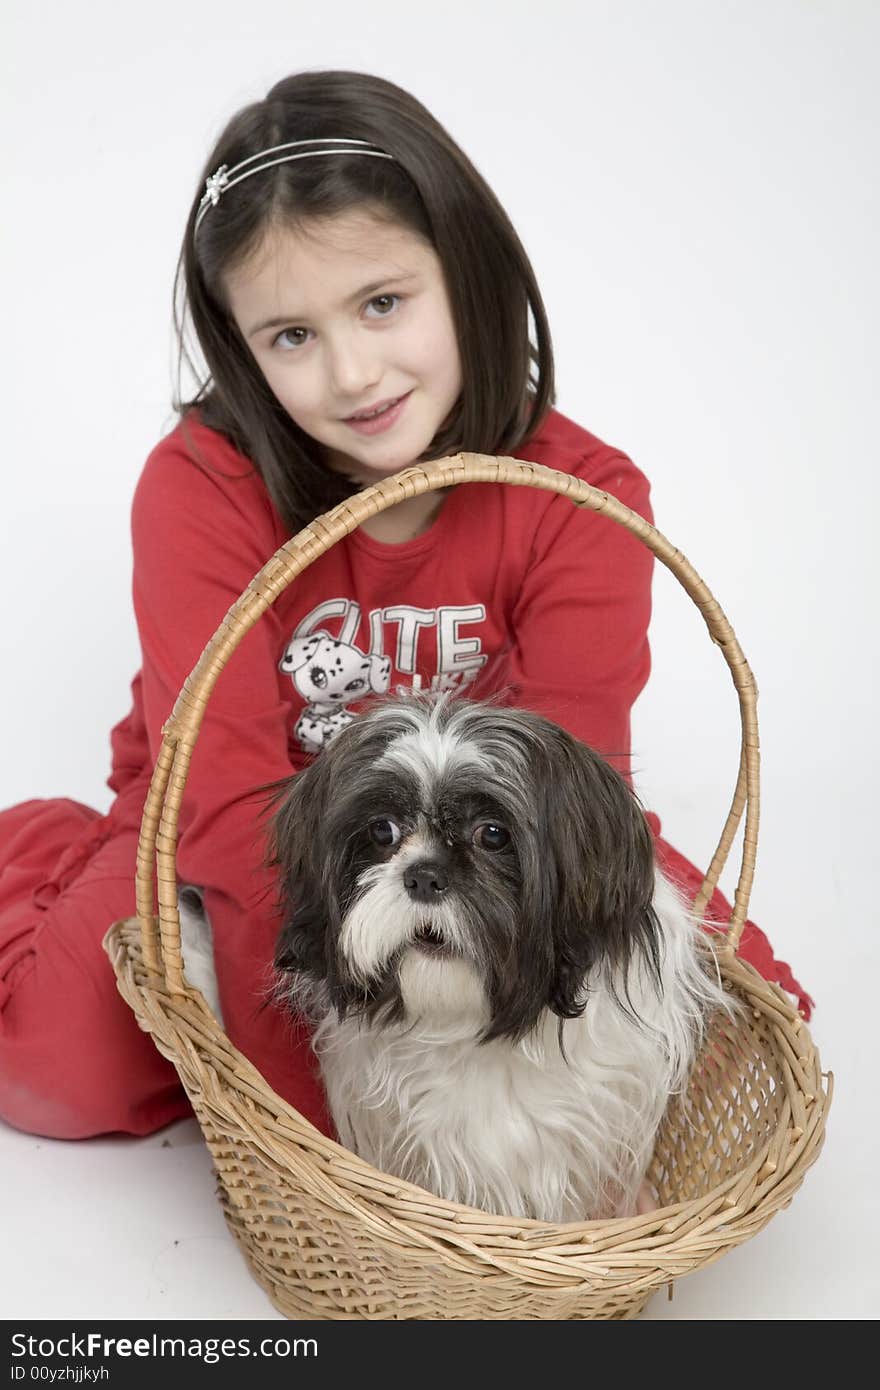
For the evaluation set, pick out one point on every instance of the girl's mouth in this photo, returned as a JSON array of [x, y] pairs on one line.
[[382, 420]]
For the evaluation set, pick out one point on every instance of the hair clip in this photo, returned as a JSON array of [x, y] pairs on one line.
[[215, 185]]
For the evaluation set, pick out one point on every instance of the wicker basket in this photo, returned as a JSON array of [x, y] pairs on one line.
[[326, 1235]]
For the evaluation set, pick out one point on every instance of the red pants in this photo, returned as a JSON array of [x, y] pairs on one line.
[[73, 1061]]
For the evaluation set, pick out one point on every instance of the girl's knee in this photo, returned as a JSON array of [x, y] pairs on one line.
[[59, 1104], [76, 1066]]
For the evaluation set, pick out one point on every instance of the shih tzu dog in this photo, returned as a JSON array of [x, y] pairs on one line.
[[504, 989]]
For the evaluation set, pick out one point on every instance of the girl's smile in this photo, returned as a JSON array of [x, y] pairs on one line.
[[380, 418], [349, 321]]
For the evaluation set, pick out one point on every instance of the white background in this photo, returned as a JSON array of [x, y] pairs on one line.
[[696, 185]]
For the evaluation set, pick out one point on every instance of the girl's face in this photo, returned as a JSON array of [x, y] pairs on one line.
[[343, 317]]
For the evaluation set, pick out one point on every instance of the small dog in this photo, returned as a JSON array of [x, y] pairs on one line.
[[504, 989]]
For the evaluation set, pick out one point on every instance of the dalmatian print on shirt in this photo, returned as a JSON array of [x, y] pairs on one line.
[[331, 672]]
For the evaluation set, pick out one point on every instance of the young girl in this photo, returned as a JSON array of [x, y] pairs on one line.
[[361, 302]]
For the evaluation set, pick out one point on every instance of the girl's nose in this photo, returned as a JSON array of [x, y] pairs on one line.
[[354, 368]]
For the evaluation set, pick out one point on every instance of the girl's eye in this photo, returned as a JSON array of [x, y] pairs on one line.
[[385, 833], [385, 304], [296, 338], [491, 837]]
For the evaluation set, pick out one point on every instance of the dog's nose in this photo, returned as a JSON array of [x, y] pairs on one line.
[[425, 882]]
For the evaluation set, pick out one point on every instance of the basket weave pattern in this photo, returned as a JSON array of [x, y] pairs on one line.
[[327, 1235]]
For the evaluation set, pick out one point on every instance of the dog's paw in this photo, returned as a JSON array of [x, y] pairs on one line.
[[197, 949]]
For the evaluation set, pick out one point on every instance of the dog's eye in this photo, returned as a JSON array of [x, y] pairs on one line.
[[318, 676], [491, 836], [385, 833]]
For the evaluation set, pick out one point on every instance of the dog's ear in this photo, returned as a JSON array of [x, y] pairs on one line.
[[300, 948], [296, 851], [380, 674], [300, 649], [602, 859]]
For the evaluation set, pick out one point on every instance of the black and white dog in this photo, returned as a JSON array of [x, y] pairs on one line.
[[504, 990]]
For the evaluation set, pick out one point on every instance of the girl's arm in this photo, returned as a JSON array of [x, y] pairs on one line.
[[200, 534], [579, 652]]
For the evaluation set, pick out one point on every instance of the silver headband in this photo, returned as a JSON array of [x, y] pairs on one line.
[[226, 178]]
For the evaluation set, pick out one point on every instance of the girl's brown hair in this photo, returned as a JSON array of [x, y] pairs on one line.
[[428, 186]]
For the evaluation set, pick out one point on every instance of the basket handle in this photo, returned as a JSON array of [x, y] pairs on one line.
[[158, 836]]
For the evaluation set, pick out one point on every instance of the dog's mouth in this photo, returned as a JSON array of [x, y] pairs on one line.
[[430, 938]]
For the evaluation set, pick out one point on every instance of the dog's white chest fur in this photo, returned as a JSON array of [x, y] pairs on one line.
[[503, 1127]]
